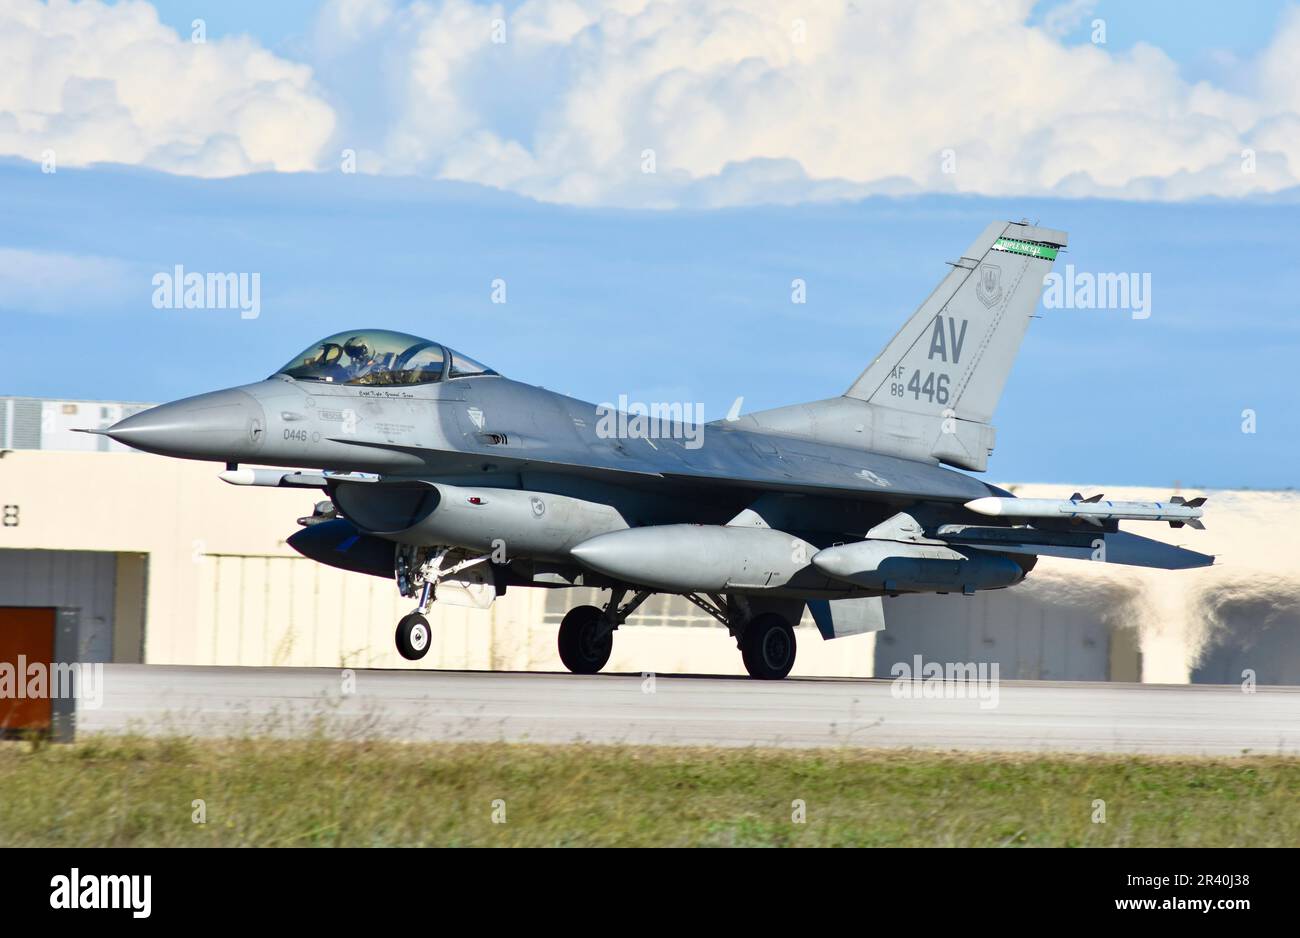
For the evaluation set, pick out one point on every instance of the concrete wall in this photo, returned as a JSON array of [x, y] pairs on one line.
[[202, 575]]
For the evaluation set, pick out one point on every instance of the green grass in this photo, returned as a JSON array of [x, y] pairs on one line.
[[139, 792]]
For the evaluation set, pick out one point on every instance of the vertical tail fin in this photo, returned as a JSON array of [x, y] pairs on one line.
[[931, 393], [939, 379]]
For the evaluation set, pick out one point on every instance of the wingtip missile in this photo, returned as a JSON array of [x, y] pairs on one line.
[[1093, 510], [1190, 503]]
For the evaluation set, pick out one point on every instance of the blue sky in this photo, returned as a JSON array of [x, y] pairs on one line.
[[1189, 31], [525, 162], [669, 306]]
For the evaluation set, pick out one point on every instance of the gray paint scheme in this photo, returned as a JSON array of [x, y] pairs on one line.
[[469, 461]]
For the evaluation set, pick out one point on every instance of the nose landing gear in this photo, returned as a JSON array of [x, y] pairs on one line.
[[419, 570], [413, 636]]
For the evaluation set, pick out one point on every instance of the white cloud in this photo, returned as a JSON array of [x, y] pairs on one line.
[[767, 100], [1068, 16], [99, 83], [739, 100]]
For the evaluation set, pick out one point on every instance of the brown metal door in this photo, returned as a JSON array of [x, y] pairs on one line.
[[26, 638]]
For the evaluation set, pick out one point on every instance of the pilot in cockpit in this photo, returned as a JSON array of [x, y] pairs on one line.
[[379, 357], [359, 357], [367, 365]]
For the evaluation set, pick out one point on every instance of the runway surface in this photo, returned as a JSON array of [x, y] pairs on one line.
[[687, 710]]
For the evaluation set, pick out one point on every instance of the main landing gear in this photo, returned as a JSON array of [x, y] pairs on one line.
[[586, 637], [766, 639], [767, 647]]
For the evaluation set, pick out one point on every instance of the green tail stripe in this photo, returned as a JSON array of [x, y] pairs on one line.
[[1030, 248]]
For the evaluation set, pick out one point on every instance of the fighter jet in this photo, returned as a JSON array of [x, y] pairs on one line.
[[459, 483]]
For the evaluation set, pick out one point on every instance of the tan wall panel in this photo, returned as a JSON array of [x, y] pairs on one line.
[[130, 608], [227, 614]]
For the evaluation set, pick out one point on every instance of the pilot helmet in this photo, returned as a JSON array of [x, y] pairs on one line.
[[357, 349]]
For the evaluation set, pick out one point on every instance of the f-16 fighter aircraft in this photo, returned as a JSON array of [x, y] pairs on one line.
[[458, 483]]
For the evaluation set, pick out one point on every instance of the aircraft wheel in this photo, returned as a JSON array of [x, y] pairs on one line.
[[767, 647], [413, 637], [580, 649]]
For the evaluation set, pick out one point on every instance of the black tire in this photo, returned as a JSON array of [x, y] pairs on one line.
[[580, 650], [413, 637], [768, 647]]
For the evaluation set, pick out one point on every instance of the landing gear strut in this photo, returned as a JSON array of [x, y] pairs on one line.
[[766, 639], [414, 636], [586, 637], [417, 570]]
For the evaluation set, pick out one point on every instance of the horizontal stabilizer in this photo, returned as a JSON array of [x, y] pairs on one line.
[[1119, 547]]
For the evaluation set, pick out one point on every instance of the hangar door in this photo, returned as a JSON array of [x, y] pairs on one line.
[[26, 638]]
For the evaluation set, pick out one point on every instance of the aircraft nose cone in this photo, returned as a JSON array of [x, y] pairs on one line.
[[223, 425]]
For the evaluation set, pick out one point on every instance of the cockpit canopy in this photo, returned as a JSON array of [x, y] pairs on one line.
[[379, 357]]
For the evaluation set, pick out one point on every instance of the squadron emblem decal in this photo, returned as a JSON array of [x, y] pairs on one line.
[[989, 285]]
